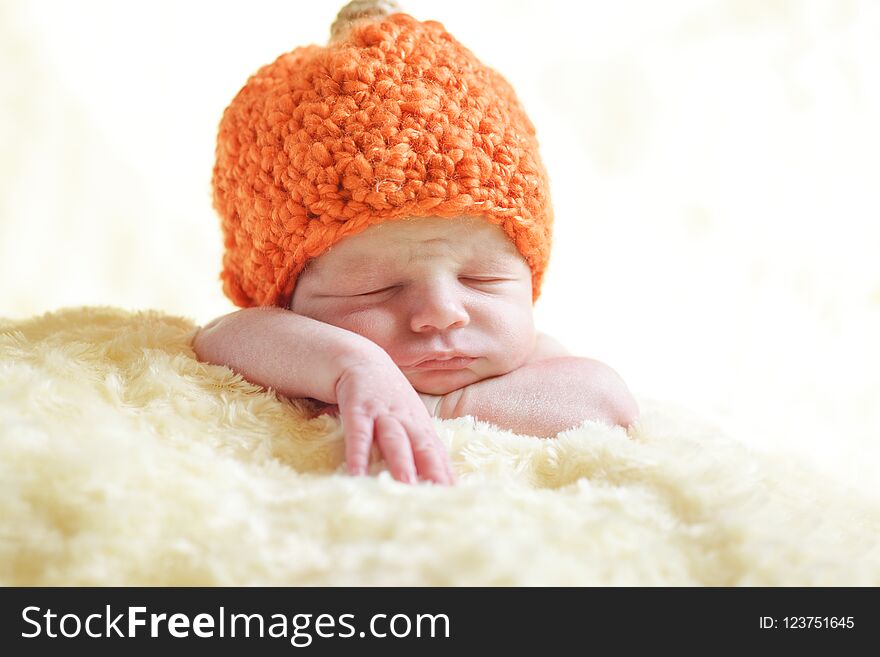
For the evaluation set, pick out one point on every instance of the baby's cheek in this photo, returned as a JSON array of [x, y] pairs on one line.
[[376, 324], [519, 349], [513, 331]]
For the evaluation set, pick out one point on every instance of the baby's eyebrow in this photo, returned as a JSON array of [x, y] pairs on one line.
[[492, 261], [361, 264], [363, 267]]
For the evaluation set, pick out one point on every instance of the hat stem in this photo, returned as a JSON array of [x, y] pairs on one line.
[[357, 11]]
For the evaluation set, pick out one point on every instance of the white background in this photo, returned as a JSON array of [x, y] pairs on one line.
[[714, 168]]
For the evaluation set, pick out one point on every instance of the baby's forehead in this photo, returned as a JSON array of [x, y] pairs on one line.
[[410, 241]]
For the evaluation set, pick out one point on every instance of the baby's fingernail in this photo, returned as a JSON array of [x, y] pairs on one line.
[[410, 478]]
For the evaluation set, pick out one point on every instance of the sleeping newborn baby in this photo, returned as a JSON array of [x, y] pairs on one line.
[[387, 230], [441, 307]]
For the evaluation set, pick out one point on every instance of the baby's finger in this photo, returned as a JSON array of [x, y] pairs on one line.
[[431, 457], [358, 431], [395, 447], [450, 473]]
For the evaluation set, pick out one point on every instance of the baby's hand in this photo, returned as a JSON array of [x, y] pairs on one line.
[[376, 402]]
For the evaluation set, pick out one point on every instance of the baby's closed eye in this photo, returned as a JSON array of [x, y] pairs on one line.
[[483, 279], [381, 290], [468, 280]]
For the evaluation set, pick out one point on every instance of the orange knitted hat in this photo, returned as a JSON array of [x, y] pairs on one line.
[[393, 119]]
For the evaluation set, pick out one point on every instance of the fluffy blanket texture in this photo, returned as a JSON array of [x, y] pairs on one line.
[[123, 460]]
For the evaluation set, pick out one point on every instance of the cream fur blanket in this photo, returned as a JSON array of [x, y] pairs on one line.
[[123, 460]]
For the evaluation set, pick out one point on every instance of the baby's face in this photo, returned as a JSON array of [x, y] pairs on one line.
[[450, 300]]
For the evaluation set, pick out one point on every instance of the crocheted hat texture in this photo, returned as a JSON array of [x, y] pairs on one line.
[[393, 119]]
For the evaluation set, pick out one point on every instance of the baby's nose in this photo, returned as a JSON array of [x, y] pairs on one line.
[[438, 310]]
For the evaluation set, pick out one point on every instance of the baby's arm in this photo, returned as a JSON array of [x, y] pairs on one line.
[[274, 348], [544, 397], [302, 357]]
